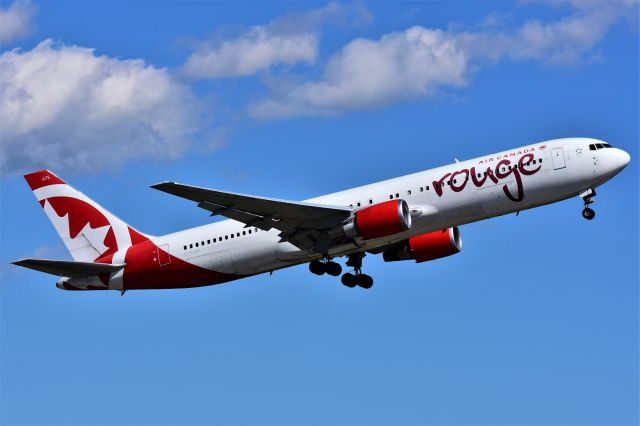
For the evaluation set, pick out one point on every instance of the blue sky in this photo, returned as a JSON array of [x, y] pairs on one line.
[[534, 323]]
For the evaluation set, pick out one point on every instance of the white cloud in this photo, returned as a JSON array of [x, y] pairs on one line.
[[64, 107], [286, 40], [419, 61], [15, 21], [255, 51], [565, 41], [368, 73]]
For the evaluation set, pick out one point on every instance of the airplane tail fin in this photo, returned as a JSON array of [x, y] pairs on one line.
[[89, 232]]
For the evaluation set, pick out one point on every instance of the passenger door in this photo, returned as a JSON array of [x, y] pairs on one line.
[[164, 258], [557, 155]]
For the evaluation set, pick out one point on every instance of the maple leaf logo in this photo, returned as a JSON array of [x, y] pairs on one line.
[[543, 146]]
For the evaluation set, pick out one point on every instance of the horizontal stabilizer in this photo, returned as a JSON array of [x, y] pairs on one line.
[[65, 268]]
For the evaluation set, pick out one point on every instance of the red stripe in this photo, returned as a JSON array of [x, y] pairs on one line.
[[42, 178], [143, 270]]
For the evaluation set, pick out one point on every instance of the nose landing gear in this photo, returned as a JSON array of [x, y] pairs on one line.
[[587, 195]]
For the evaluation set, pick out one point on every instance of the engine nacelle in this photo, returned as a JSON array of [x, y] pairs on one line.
[[429, 246], [380, 220]]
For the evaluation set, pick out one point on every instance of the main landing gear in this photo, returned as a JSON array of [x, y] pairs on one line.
[[325, 266], [329, 267], [587, 195], [358, 278]]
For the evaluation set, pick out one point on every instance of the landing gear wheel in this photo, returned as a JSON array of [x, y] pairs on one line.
[[587, 195], [588, 213], [317, 267], [365, 281], [332, 268], [349, 280]]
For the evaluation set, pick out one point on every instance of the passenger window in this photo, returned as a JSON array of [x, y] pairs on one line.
[[409, 192], [244, 232], [421, 189], [455, 181], [226, 237], [185, 247], [397, 195], [249, 230], [540, 160], [370, 201], [238, 234], [208, 241], [196, 244], [231, 235], [358, 204], [427, 187], [391, 197], [190, 245]]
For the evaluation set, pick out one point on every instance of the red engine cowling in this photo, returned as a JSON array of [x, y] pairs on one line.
[[381, 220], [429, 246]]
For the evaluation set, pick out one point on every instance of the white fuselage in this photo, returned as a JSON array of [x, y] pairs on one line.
[[554, 170]]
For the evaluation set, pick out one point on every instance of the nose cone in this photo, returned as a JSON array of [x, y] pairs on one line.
[[623, 158], [614, 161]]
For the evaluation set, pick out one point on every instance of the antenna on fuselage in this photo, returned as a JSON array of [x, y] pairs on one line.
[[457, 161]]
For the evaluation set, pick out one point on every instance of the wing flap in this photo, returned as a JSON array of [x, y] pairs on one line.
[[65, 268]]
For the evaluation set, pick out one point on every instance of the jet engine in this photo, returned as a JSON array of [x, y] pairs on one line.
[[429, 246], [380, 220]]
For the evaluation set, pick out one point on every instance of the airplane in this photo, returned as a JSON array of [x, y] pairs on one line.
[[413, 217]]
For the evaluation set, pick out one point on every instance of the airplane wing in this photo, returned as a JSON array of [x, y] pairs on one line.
[[65, 268], [300, 223]]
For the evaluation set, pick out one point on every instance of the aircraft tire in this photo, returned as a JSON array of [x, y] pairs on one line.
[[588, 213], [317, 267], [349, 280], [365, 281], [333, 268]]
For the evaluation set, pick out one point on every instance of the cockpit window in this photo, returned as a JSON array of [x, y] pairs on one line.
[[595, 146]]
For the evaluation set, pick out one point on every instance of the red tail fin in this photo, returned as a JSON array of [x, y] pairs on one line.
[[89, 231]]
